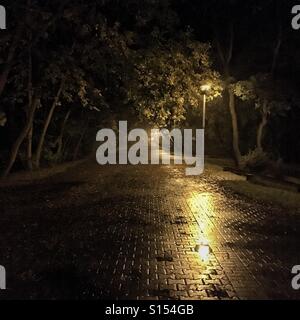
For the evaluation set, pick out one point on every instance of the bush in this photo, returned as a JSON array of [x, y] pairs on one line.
[[255, 160]]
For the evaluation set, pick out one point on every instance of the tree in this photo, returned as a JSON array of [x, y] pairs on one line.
[[225, 56], [24, 132], [168, 78], [65, 72], [16, 39], [268, 97]]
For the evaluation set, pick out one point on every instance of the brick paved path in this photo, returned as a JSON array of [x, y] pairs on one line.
[[144, 232]]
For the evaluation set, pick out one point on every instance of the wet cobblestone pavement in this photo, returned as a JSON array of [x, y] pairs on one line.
[[144, 232]]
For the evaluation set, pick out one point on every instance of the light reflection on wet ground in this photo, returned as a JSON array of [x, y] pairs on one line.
[[145, 233]]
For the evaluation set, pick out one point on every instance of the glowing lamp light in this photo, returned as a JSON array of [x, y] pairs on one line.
[[205, 87]]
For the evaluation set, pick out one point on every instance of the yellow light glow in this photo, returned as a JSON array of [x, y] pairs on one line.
[[203, 207], [204, 252], [205, 87]]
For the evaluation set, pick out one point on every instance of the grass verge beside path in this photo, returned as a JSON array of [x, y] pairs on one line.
[[283, 198], [238, 184], [27, 177]]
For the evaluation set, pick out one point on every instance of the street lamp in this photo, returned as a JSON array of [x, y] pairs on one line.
[[204, 89]]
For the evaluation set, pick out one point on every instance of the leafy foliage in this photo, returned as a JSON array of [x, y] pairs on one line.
[[261, 88], [255, 160], [168, 78]]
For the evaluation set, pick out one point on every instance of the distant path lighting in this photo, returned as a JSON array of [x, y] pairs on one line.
[[204, 89]]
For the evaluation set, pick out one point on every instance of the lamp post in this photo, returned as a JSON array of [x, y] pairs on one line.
[[204, 88]]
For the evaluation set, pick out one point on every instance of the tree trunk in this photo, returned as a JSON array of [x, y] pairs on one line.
[[65, 147], [47, 123], [30, 133], [235, 129], [16, 146], [29, 149], [77, 148], [225, 57], [59, 140], [278, 44], [261, 126], [260, 131], [276, 53], [11, 54]]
